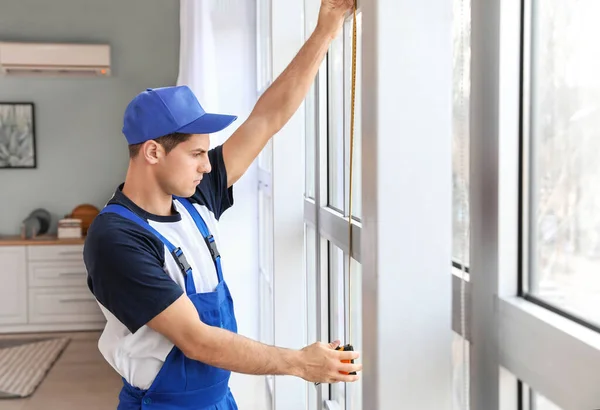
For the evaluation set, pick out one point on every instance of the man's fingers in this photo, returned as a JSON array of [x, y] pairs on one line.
[[350, 367], [334, 345], [347, 355], [345, 378]]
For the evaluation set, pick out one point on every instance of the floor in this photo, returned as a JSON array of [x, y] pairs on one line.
[[80, 379]]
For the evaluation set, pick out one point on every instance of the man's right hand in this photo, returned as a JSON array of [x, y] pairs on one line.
[[323, 364]]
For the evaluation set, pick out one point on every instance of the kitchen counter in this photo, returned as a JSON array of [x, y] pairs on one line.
[[42, 240]]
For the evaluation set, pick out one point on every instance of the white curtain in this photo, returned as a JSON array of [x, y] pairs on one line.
[[197, 52], [218, 59]]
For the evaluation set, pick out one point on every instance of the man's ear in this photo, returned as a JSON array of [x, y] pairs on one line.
[[152, 151]]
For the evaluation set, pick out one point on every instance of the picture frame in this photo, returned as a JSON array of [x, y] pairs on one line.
[[17, 135]]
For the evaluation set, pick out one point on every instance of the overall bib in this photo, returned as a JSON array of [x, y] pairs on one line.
[[183, 383]]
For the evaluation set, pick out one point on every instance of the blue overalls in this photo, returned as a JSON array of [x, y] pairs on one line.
[[183, 383]]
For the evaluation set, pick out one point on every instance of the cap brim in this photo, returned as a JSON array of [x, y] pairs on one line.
[[208, 123]]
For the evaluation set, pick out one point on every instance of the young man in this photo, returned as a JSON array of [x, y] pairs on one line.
[[152, 253]]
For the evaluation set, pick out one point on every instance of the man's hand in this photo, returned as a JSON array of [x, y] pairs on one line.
[[323, 364], [332, 14]]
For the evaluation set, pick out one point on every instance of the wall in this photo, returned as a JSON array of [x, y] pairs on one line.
[[81, 152]]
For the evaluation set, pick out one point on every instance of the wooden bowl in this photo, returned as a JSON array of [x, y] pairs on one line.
[[86, 213]]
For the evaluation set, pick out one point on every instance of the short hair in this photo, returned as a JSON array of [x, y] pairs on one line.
[[168, 142]]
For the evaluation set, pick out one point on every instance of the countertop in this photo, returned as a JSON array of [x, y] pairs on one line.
[[42, 240]]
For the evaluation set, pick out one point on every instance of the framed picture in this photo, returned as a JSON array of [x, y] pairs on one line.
[[17, 135]]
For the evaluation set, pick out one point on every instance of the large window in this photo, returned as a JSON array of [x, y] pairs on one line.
[[334, 278], [525, 187], [562, 141]]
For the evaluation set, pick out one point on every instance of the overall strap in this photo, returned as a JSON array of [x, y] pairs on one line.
[[208, 237], [177, 253]]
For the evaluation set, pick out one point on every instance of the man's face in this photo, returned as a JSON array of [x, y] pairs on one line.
[[182, 169]]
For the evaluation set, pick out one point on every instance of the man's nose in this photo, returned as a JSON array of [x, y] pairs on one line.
[[205, 168]]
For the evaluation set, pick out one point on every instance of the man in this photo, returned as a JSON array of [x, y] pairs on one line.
[[152, 253]]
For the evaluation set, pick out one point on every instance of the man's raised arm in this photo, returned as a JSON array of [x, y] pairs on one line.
[[281, 100]]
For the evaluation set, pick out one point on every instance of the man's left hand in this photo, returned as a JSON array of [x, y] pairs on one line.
[[332, 14]]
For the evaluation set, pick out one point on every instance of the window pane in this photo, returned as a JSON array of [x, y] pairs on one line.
[[265, 233], [354, 390], [460, 132], [265, 267], [310, 139], [337, 313], [311, 284], [263, 45], [345, 318], [460, 368], [356, 183], [335, 92], [565, 131], [311, 303]]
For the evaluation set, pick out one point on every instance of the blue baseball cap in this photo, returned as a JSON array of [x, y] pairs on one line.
[[161, 111]]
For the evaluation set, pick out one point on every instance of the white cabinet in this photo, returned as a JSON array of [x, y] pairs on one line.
[[43, 287], [13, 285]]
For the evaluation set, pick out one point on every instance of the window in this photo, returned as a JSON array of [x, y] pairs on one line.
[[345, 317], [311, 302], [334, 285], [340, 93], [310, 141], [357, 158], [354, 390], [460, 371], [562, 195], [337, 310], [336, 142], [265, 276]]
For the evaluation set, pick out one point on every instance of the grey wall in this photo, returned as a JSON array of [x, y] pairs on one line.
[[81, 152]]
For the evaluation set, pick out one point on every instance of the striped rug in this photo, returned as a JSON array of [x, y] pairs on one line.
[[25, 363]]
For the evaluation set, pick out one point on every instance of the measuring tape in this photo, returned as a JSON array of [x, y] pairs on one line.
[[350, 237], [352, 108]]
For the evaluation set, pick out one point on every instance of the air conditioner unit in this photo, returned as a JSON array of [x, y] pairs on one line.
[[36, 59]]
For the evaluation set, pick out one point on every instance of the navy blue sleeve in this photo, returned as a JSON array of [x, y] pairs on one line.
[[125, 270], [212, 191]]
